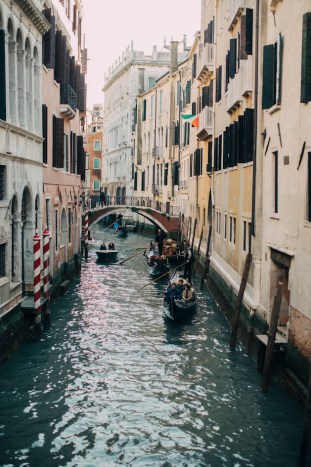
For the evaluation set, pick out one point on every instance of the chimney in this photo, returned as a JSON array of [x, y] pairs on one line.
[[174, 55], [141, 80]]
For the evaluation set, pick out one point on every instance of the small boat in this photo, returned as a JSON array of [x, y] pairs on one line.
[[106, 255], [171, 250], [121, 232], [180, 309], [156, 264]]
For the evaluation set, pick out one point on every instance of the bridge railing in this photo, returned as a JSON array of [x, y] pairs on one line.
[[135, 201]]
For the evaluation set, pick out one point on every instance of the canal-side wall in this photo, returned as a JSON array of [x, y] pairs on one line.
[[12, 332], [293, 370]]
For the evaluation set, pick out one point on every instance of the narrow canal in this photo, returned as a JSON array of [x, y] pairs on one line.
[[113, 384]]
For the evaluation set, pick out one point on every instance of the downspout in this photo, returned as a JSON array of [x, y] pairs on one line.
[[253, 224], [155, 138]]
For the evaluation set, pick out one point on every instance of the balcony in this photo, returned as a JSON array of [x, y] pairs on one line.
[[157, 151], [236, 10], [241, 85], [68, 101], [156, 189], [205, 124], [206, 63]]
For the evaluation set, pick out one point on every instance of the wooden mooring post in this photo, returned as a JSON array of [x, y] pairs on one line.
[[207, 258], [198, 252], [272, 333], [237, 312], [193, 235], [306, 431]]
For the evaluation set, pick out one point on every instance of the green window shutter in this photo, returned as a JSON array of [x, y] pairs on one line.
[[268, 77], [188, 92], [309, 187], [249, 31], [143, 181], [226, 155], [216, 154], [306, 59], [135, 181], [232, 58], [49, 41], [191, 165], [241, 139], [176, 173], [81, 157], [2, 77], [165, 173], [144, 110], [249, 134], [45, 134]]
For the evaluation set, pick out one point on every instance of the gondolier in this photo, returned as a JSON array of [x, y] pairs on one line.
[[189, 257], [159, 239]]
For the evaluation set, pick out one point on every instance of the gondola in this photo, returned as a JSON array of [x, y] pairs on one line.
[[121, 233], [179, 309], [156, 265], [106, 255]]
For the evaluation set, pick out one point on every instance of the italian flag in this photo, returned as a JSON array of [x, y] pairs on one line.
[[194, 118]]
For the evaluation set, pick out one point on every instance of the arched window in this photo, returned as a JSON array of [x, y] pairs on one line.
[[12, 73], [20, 79], [37, 87], [29, 84]]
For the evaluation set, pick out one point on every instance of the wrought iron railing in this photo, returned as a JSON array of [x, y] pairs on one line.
[[137, 202], [68, 96]]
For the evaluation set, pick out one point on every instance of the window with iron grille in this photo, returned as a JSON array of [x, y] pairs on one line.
[[2, 182], [2, 259]]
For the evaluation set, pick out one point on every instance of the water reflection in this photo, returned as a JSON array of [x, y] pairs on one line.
[[112, 383]]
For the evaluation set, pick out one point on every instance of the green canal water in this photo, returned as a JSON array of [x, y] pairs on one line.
[[111, 383]]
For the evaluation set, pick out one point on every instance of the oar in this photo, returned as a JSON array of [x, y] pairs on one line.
[[108, 226], [160, 277], [130, 257]]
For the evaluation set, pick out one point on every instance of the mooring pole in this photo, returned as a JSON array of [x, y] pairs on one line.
[[306, 427], [198, 252], [37, 279], [272, 333], [237, 313], [207, 258], [86, 233], [193, 235]]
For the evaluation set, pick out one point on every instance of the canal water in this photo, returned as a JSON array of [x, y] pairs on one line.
[[111, 383]]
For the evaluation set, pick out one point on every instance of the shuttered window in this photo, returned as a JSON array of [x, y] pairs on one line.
[[45, 134], [165, 173], [232, 58], [309, 189], [191, 165], [2, 77], [176, 173], [194, 67], [216, 154], [144, 110], [272, 74], [306, 59], [226, 152], [58, 142], [246, 45], [49, 41], [58, 57], [194, 108], [135, 181], [3, 180], [218, 83], [249, 134], [81, 158], [2, 259], [176, 134], [209, 157], [241, 139], [188, 92]]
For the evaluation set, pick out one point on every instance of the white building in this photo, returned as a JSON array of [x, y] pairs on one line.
[[21, 28], [121, 89]]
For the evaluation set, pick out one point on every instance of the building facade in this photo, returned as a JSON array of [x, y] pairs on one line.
[[121, 90], [94, 156], [22, 26], [63, 113]]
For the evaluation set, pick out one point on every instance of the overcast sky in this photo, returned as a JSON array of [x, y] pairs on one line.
[[110, 25]]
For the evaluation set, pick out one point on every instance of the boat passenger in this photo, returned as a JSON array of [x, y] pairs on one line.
[[103, 246], [187, 293], [180, 288], [171, 292], [111, 246], [116, 226]]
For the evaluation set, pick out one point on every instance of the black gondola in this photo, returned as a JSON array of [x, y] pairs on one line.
[[106, 255], [180, 309], [156, 265]]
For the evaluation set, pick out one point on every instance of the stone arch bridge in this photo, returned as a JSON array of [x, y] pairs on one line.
[[162, 215]]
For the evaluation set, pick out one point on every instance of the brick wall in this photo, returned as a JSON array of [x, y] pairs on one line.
[[300, 332]]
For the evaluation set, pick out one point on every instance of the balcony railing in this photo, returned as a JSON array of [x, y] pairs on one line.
[[68, 96], [156, 189], [206, 120], [206, 62], [241, 85], [137, 202]]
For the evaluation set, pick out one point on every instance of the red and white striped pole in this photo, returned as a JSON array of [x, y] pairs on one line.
[[46, 263], [37, 272], [86, 232]]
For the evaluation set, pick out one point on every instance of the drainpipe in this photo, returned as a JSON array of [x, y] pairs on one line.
[[253, 224]]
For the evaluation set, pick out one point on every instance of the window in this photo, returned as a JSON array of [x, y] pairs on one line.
[[271, 85], [218, 83], [309, 189], [69, 225], [96, 184], [45, 134], [275, 183], [244, 235], [306, 59], [96, 164], [56, 229], [218, 222], [161, 102], [2, 259], [225, 227], [151, 82], [97, 145], [152, 107], [47, 213], [246, 42], [66, 152], [191, 164], [232, 230], [3, 177], [144, 113]]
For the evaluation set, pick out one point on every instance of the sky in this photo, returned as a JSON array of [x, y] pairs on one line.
[[111, 25]]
